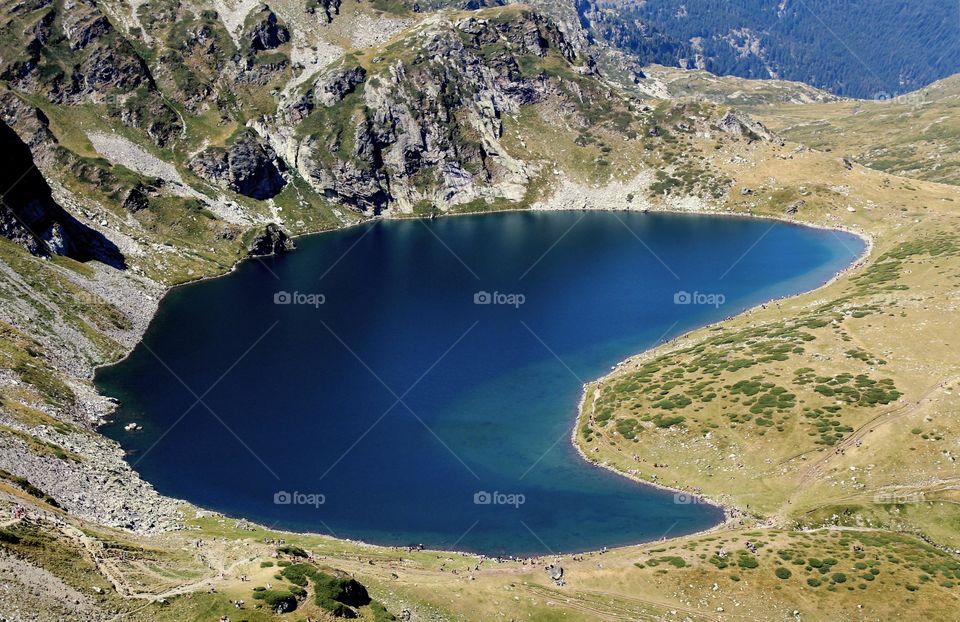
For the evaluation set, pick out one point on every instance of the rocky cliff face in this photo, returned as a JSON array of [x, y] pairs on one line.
[[423, 126], [73, 55], [264, 31], [30, 217], [247, 166]]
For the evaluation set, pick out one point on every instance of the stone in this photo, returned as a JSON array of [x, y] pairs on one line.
[[247, 166], [265, 31], [272, 240]]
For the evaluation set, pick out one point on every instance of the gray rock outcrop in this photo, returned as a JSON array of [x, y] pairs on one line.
[[429, 129], [272, 240], [327, 8], [334, 85], [742, 126], [247, 166], [264, 31]]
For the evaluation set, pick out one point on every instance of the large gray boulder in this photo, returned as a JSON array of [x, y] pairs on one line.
[[247, 166], [334, 85], [264, 31], [272, 240]]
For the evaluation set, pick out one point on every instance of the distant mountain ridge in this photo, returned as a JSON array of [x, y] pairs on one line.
[[869, 49]]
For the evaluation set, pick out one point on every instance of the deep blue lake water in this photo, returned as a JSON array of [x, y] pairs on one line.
[[399, 401]]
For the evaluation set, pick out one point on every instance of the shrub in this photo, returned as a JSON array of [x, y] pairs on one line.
[[747, 561], [292, 551], [838, 577], [783, 573], [813, 582], [334, 594], [277, 600], [380, 613]]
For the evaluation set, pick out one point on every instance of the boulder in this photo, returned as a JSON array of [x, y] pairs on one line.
[[328, 8], [334, 85], [742, 126], [353, 593], [272, 240], [138, 197], [264, 31], [247, 166]]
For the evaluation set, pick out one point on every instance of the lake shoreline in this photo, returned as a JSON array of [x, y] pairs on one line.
[[729, 512]]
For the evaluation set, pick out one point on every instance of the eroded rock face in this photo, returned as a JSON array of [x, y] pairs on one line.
[[85, 61], [90, 61], [265, 31], [82, 23], [429, 128], [742, 126], [271, 241], [334, 85], [248, 167]]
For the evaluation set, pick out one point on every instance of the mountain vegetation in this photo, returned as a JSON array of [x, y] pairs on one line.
[[157, 142], [864, 48]]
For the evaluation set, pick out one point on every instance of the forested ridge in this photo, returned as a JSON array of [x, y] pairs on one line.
[[858, 48]]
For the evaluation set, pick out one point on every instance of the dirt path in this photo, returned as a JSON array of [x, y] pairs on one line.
[[817, 468], [96, 552]]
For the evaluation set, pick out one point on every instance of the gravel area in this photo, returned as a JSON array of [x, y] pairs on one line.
[[119, 150]]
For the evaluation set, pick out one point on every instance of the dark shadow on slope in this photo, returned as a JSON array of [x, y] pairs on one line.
[[32, 218]]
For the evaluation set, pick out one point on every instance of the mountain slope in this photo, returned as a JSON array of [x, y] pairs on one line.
[[915, 135], [163, 143], [189, 137], [865, 49]]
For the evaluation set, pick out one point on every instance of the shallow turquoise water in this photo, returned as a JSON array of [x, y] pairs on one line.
[[398, 402]]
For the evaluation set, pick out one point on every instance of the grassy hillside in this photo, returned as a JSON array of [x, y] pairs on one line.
[[915, 135], [825, 420]]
